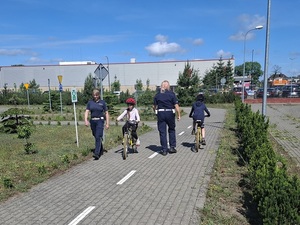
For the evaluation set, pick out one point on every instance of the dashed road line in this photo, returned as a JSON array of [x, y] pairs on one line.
[[153, 155], [126, 177], [82, 215]]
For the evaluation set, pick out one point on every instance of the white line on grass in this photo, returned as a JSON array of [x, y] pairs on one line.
[[82, 215], [126, 177]]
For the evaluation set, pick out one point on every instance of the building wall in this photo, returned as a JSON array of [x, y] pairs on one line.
[[75, 74]]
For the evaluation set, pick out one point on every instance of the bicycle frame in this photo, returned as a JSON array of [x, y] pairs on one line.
[[198, 135], [128, 142]]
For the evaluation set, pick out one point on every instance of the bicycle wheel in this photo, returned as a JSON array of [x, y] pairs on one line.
[[198, 139], [125, 147]]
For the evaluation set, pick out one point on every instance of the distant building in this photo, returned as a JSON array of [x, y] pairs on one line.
[[278, 80], [75, 73]]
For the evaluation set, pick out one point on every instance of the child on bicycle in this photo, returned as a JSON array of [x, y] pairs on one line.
[[132, 114], [197, 113]]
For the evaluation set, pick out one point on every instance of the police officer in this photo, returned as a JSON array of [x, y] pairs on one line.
[[99, 114], [165, 105]]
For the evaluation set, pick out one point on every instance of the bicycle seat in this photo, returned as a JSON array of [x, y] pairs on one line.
[[133, 122], [198, 121]]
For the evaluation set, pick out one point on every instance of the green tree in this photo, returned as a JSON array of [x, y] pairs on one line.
[[210, 77], [88, 88], [253, 69], [213, 77], [229, 75], [187, 85], [116, 86], [138, 85]]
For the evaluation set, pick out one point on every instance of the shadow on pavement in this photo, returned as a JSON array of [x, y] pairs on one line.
[[154, 148]]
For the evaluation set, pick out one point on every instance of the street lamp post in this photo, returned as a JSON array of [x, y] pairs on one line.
[[108, 73], [244, 66], [266, 66]]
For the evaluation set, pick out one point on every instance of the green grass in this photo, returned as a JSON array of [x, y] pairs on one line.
[[56, 152]]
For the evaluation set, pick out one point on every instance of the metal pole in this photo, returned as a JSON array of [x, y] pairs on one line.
[[101, 83], [292, 75], [60, 103], [266, 59], [76, 129], [108, 73], [251, 70], [50, 108], [28, 98], [244, 66]]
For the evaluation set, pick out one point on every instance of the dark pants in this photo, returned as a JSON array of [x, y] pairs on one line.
[[133, 129], [97, 127], [164, 119]]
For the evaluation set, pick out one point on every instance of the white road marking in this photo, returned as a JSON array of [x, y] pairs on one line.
[[153, 155], [82, 215], [189, 127], [126, 177], [181, 133]]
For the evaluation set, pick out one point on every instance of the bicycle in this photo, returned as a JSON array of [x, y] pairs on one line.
[[128, 140], [198, 135]]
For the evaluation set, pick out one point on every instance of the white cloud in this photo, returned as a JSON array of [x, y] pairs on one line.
[[162, 47], [246, 23], [223, 54], [14, 52], [198, 41]]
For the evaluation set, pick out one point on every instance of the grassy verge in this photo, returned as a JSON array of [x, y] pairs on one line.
[[56, 152], [228, 199]]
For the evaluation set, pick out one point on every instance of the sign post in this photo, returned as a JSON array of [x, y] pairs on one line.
[[26, 87], [60, 91], [74, 100], [223, 81], [100, 73]]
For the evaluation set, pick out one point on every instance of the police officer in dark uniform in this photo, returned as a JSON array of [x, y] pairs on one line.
[[99, 116], [165, 105]]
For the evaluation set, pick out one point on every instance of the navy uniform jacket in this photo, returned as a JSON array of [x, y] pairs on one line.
[[97, 109], [197, 111], [165, 100]]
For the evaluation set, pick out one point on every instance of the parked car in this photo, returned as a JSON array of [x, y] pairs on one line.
[[250, 92], [278, 91], [239, 90], [271, 92], [260, 93], [290, 91]]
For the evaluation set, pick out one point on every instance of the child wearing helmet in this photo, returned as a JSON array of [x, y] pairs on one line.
[[197, 113], [131, 114]]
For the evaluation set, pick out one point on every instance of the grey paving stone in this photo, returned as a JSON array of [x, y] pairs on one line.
[[163, 190]]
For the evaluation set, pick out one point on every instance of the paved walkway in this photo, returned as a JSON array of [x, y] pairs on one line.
[[146, 188], [284, 126]]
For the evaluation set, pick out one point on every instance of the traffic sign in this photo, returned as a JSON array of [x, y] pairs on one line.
[[60, 87], [74, 95], [26, 86], [223, 80]]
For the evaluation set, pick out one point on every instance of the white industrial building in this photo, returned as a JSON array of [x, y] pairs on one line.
[[75, 73]]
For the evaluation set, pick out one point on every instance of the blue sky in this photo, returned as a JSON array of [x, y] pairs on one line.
[[44, 32]]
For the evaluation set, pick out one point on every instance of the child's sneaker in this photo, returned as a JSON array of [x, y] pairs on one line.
[[138, 143], [203, 142]]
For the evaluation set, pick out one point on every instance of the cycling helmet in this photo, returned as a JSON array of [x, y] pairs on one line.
[[130, 101], [200, 97]]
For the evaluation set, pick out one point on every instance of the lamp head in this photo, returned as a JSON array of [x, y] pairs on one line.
[[259, 27]]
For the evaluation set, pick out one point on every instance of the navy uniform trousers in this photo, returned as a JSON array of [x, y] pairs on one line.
[[164, 119], [97, 127]]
